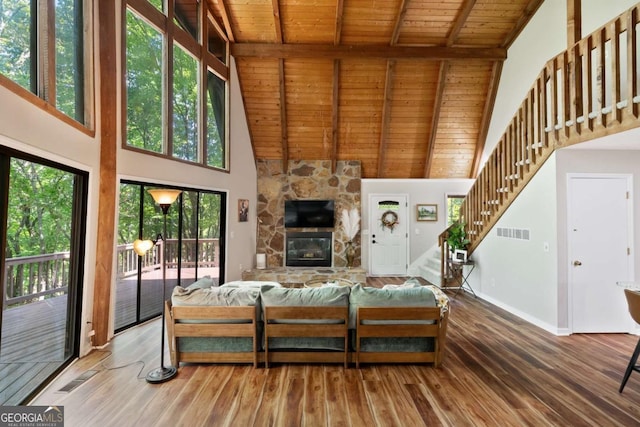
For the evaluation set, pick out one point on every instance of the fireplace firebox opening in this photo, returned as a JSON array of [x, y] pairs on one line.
[[309, 249]]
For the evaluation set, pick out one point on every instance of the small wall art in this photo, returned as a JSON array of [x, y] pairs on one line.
[[243, 210], [427, 212]]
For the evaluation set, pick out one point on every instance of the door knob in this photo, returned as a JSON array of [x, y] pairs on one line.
[[576, 263]]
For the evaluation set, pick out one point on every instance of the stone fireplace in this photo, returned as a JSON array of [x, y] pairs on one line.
[[304, 180], [309, 249]]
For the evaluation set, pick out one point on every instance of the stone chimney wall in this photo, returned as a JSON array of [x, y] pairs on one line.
[[305, 179]]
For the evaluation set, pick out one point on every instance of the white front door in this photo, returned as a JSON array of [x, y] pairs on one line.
[[388, 239], [599, 212]]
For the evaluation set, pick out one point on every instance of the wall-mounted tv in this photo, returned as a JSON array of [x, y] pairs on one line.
[[309, 213]]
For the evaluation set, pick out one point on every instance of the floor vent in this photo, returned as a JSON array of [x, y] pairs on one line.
[[78, 381]]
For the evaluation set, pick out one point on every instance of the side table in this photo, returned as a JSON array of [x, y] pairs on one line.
[[460, 276]]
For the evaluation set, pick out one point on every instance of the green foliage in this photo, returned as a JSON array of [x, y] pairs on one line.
[[40, 209], [454, 203], [185, 105], [26, 62], [144, 85], [201, 215], [69, 59], [457, 238], [15, 41]]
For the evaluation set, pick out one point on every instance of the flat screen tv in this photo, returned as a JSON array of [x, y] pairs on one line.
[[309, 213]]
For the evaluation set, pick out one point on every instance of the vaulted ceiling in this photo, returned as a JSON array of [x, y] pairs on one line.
[[404, 86]]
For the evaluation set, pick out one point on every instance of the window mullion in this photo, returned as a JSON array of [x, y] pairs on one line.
[[168, 66], [46, 51], [202, 90]]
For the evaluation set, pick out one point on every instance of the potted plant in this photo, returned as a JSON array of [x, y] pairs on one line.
[[457, 236]]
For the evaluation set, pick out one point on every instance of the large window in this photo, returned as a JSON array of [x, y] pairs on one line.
[[454, 203], [42, 49], [42, 229], [176, 82], [194, 248]]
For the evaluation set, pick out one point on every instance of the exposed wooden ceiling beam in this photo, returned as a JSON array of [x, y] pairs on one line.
[[386, 117], [224, 12], [307, 50], [402, 11], [461, 19], [339, 12], [529, 11], [457, 26], [283, 118], [437, 105], [486, 118], [275, 4], [334, 114]]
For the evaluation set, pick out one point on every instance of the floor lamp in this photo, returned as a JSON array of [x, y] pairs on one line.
[[164, 198]]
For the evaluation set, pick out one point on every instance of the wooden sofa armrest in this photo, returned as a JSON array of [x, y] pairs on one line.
[[225, 323], [370, 323], [303, 321]]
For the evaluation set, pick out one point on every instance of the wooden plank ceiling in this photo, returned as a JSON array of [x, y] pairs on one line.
[[404, 86]]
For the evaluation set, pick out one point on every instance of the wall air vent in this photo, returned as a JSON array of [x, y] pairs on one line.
[[514, 233]]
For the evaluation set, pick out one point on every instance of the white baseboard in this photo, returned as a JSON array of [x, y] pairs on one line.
[[527, 317]]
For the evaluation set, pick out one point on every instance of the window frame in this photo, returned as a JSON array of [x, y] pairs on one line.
[[44, 69], [177, 210], [173, 34]]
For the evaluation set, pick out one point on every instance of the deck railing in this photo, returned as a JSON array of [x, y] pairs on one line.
[[36, 277], [33, 277], [586, 92]]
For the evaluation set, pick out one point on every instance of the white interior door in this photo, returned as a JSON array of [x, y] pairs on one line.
[[599, 234], [388, 239]]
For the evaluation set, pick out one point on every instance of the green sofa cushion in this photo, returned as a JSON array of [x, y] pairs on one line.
[[294, 297], [362, 296], [308, 297]]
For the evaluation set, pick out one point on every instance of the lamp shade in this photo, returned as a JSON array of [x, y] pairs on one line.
[[141, 247], [164, 196]]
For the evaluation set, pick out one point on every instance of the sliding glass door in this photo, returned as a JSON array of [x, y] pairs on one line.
[[42, 228], [194, 248]]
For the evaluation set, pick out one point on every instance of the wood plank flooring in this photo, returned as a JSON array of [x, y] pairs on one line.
[[498, 370]]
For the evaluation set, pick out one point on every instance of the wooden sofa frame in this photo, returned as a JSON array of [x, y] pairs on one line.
[[226, 325], [306, 326], [404, 325]]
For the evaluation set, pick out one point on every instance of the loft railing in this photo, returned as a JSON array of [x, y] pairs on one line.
[[31, 278], [586, 92]]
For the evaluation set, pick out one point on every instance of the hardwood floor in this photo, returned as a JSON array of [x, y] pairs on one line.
[[497, 370]]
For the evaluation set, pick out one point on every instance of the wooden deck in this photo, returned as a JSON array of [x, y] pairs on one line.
[[33, 335], [32, 346]]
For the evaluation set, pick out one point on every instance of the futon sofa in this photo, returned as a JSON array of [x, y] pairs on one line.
[[263, 322]]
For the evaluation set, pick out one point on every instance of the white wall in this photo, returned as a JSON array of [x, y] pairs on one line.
[[422, 234], [597, 12], [521, 275]]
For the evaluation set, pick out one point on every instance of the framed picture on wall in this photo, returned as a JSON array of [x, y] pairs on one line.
[[243, 210], [427, 212]]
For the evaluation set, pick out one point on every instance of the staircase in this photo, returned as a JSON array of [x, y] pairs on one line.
[[427, 266], [586, 92]]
